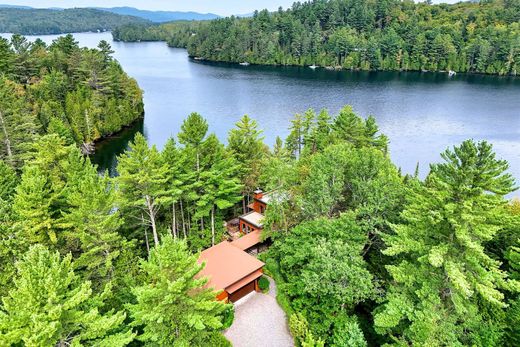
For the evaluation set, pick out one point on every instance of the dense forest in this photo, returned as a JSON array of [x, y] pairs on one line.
[[27, 21], [82, 94], [480, 37], [362, 255]]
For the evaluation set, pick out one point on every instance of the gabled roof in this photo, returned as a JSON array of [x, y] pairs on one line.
[[253, 218], [227, 265], [249, 240]]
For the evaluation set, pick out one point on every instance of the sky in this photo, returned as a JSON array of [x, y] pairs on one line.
[[220, 7]]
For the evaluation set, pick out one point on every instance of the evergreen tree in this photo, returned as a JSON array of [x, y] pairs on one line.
[[173, 158], [446, 284], [92, 221], [246, 145], [18, 126], [193, 131], [184, 312], [220, 188], [50, 306], [143, 182]]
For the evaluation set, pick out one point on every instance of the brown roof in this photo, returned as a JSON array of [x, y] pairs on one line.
[[227, 264], [249, 240], [253, 218]]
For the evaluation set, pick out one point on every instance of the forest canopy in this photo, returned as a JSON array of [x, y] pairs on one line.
[[79, 93], [361, 254], [50, 21], [480, 37]]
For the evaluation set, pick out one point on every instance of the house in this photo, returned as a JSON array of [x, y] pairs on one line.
[[249, 222], [260, 201], [230, 270], [231, 267]]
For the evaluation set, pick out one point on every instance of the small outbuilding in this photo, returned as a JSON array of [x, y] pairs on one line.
[[231, 271]]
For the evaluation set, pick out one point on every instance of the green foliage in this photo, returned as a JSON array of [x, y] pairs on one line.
[[78, 93], [263, 284], [245, 142], [445, 281], [347, 333], [361, 255], [8, 181], [142, 181], [229, 317], [300, 331], [18, 127], [48, 21], [184, 313], [323, 270], [50, 305], [471, 36]]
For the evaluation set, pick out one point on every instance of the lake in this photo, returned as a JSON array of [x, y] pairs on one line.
[[421, 113]]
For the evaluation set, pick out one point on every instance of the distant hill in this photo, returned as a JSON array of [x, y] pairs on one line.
[[30, 21], [160, 16], [14, 6]]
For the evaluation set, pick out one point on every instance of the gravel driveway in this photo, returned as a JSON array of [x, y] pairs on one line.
[[259, 322]]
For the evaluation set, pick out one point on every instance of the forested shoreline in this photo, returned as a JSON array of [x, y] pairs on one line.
[[79, 93], [362, 254], [30, 21], [480, 37]]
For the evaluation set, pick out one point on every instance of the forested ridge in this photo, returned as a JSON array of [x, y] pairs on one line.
[[362, 254], [50, 21], [480, 37], [79, 93]]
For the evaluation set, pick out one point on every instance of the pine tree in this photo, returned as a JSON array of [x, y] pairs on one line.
[[18, 127], [220, 189], [6, 57], [184, 312], [294, 142], [444, 279], [33, 210], [246, 145], [143, 178], [50, 306], [193, 131], [91, 221], [173, 158], [8, 181], [39, 198], [349, 127]]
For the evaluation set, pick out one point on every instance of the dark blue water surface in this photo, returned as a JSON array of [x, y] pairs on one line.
[[422, 113]]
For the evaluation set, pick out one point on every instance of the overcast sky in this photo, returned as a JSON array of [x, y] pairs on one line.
[[221, 7]]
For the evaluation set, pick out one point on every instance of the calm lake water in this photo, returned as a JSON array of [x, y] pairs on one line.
[[422, 113]]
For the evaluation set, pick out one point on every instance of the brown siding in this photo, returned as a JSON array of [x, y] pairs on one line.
[[239, 294], [222, 296], [259, 206], [246, 228]]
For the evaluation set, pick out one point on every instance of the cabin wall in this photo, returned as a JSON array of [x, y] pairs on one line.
[[223, 296], [246, 228], [259, 206]]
